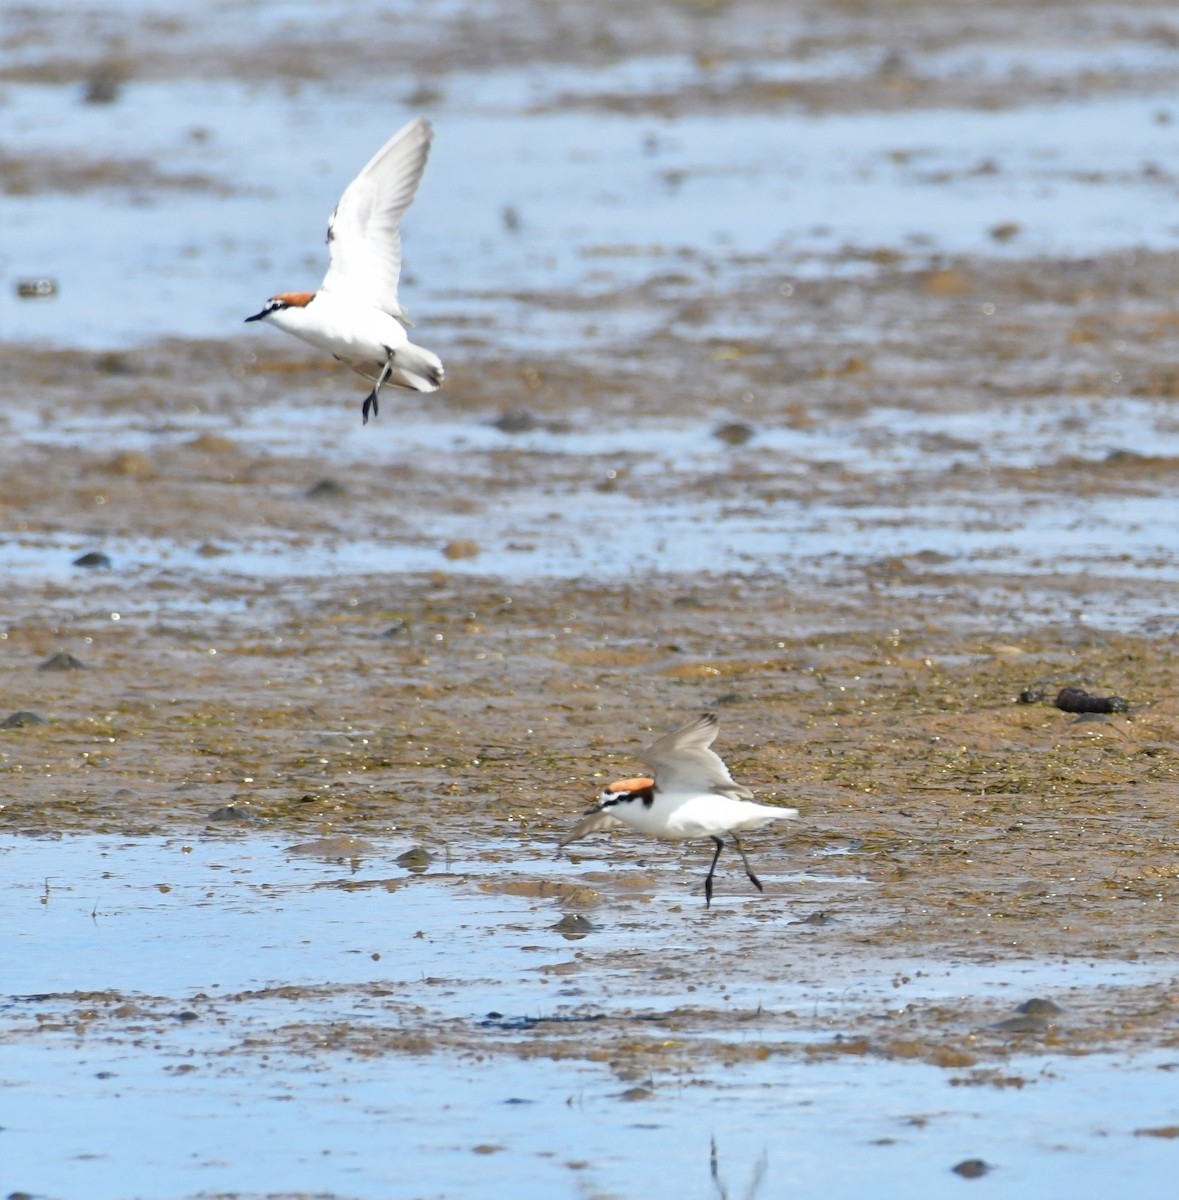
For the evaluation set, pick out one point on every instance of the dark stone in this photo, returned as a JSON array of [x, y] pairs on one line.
[[516, 420], [18, 720], [230, 812], [416, 859], [734, 433], [326, 489], [971, 1168], [1039, 1008], [36, 289], [94, 559], [1077, 700], [63, 662]]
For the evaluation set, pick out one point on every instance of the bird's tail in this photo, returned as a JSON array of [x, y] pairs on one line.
[[774, 812], [419, 368]]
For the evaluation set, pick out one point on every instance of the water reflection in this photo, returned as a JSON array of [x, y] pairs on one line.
[[756, 1179]]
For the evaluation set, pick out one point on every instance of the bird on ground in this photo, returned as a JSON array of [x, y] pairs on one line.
[[690, 795], [355, 315]]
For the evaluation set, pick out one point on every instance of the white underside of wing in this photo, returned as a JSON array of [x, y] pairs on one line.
[[373, 370], [364, 237]]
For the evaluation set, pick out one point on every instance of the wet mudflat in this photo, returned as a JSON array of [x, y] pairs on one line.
[[793, 372], [445, 1009]]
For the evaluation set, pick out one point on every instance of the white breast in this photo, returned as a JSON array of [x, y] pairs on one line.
[[343, 327], [683, 816]]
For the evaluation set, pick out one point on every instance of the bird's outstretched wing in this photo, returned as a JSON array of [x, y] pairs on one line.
[[593, 822], [364, 237], [683, 762]]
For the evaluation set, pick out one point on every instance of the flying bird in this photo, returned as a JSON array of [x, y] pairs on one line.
[[356, 315]]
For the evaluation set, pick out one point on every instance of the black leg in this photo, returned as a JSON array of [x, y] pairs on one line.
[[370, 401], [708, 879], [748, 869]]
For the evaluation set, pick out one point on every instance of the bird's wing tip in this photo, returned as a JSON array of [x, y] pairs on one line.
[[592, 822]]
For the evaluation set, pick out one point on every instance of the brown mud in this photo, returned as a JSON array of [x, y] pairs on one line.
[[879, 697]]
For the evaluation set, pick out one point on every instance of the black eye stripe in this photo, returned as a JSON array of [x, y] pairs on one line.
[[646, 795]]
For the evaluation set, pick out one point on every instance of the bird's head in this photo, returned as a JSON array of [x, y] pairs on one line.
[[280, 303], [621, 790]]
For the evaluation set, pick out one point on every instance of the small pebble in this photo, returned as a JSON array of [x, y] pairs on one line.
[[105, 84], [1039, 1008], [1170, 1132], [1028, 1023], [1077, 700], [417, 859], [461, 548], [230, 812], [971, 1168], [63, 662], [1032, 695], [19, 720], [325, 489], [112, 363], [36, 289], [333, 846], [573, 926], [93, 559], [131, 465], [817, 918], [734, 433], [516, 420]]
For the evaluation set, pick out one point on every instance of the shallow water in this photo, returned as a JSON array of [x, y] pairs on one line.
[[425, 1128], [226, 1014], [602, 201], [687, 501]]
